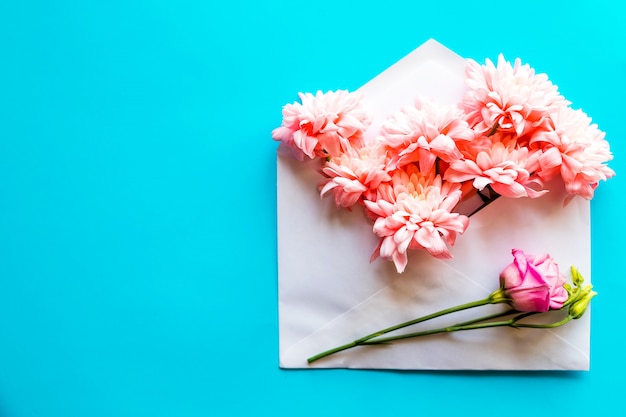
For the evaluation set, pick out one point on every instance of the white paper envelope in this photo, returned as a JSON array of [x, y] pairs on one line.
[[330, 294]]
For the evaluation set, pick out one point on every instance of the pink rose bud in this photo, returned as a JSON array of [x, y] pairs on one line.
[[533, 283]]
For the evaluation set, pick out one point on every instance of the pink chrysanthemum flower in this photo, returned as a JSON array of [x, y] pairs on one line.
[[323, 124], [417, 214], [508, 170], [356, 173], [508, 98], [575, 149], [425, 132]]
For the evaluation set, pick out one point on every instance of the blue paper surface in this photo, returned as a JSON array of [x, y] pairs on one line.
[[138, 200]]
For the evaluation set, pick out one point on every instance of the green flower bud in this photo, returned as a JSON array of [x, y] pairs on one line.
[[570, 290], [577, 278], [579, 305]]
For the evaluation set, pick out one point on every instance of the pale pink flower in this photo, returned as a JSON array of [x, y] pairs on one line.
[[323, 124], [356, 173], [508, 98], [509, 171], [575, 149], [417, 214], [533, 283], [425, 132]]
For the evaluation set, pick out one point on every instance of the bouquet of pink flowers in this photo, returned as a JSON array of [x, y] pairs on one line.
[[418, 181]]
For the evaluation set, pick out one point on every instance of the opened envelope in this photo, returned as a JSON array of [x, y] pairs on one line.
[[330, 293]]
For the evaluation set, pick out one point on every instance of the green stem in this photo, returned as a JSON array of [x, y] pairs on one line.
[[488, 196], [497, 296], [489, 317], [449, 329], [473, 325], [545, 326], [494, 129]]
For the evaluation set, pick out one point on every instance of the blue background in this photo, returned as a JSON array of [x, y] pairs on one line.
[[137, 200]]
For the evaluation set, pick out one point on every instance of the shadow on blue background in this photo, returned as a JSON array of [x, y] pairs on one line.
[[137, 200]]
